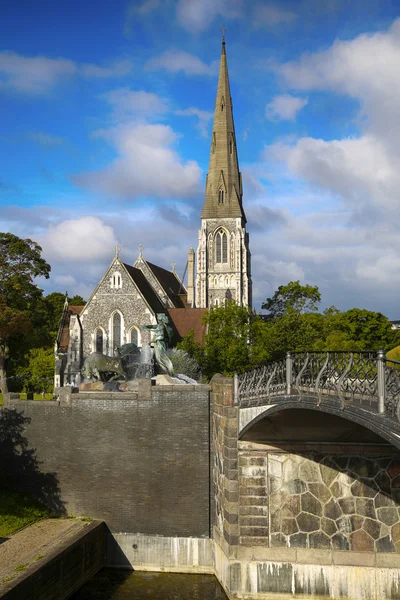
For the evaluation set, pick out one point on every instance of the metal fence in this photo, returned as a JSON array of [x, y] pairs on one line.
[[352, 377]]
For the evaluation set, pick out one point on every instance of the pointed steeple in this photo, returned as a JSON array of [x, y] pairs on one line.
[[224, 181]]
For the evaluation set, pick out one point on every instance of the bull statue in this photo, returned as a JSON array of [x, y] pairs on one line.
[[100, 367]]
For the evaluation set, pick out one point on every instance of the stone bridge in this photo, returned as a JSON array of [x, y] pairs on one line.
[[306, 477], [363, 387]]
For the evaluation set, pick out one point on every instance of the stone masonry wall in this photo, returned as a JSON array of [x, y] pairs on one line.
[[225, 461], [105, 301], [339, 501], [140, 465]]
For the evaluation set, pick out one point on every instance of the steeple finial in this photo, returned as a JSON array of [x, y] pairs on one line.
[[223, 29], [140, 251], [117, 249]]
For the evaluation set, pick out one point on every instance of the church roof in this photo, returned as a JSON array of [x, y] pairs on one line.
[[145, 288], [170, 283], [185, 319], [64, 334]]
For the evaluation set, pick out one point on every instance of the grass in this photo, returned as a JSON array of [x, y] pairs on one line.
[[18, 510], [35, 397]]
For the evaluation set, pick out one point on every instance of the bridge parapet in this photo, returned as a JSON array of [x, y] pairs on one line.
[[366, 378]]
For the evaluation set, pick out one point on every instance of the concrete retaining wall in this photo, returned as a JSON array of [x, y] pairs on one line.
[[64, 571], [154, 553], [268, 573]]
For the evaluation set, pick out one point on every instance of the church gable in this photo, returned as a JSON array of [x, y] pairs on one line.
[[120, 305]]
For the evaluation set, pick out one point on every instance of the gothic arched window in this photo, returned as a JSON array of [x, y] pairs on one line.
[[135, 336], [99, 340], [221, 247], [117, 330], [221, 196]]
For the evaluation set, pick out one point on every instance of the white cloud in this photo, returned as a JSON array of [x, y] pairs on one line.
[[39, 74], [384, 270], [132, 10], [365, 68], [45, 139], [33, 75], [284, 107], [270, 15], [117, 69], [197, 15], [65, 280], [147, 165], [84, 239], [203, 116], [127, 104], [177, 60], [358, 169], [148, 6]]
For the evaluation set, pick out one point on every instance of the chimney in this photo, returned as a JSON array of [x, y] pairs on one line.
[[190, 286]]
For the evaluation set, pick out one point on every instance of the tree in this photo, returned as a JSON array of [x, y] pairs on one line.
[[359, 329], [228, 339], [39, 373], [193, 348], [20, 264], [293, 296], [76, 301]]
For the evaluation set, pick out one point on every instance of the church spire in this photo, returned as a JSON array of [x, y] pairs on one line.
[[224, 181]]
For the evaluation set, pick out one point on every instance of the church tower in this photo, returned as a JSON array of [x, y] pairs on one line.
[[223, 255]]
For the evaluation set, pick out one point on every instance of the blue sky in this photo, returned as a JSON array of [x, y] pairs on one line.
[[106, 123]]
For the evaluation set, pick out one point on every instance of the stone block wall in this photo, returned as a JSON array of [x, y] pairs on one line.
[[338, 501], [225, 461], [253, 500]]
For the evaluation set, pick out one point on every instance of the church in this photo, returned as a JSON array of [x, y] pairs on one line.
[[130, 296]]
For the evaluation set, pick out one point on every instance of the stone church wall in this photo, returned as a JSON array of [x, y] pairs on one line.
[[105, 302], [141, 465]]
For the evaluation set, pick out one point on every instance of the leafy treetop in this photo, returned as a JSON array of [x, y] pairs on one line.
[[293, 297], [20, 264]]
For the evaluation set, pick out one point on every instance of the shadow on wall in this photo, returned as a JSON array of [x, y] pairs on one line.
[[19, 466]]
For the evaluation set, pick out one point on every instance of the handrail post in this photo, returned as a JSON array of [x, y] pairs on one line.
[[235, 389], [381, 372], [289, 369]]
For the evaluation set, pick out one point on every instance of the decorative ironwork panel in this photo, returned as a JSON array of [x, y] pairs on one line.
[[392, 377], [265, 381]]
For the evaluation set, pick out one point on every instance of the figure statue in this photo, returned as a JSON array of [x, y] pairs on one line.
[[99, 367], [162, 335]]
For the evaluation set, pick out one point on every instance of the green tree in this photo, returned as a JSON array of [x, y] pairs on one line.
[[293, 296], [228, 339], [20, 264], [359, 329], [292, 331], [193, 348], [39, 373], [76, 301]]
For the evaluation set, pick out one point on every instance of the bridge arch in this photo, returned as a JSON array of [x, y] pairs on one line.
[[380, 426]]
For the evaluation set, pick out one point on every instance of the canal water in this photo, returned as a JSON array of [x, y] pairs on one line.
[[116, 584]]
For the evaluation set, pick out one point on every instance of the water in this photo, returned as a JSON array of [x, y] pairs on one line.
[[117, 584]]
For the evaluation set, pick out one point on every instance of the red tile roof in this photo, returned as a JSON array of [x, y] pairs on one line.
[[64, 339], [185, 319]]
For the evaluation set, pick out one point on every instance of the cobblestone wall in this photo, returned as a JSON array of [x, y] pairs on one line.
[[311, 500]]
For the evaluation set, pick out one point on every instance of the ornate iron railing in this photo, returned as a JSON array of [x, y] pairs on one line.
[[350, 377]]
